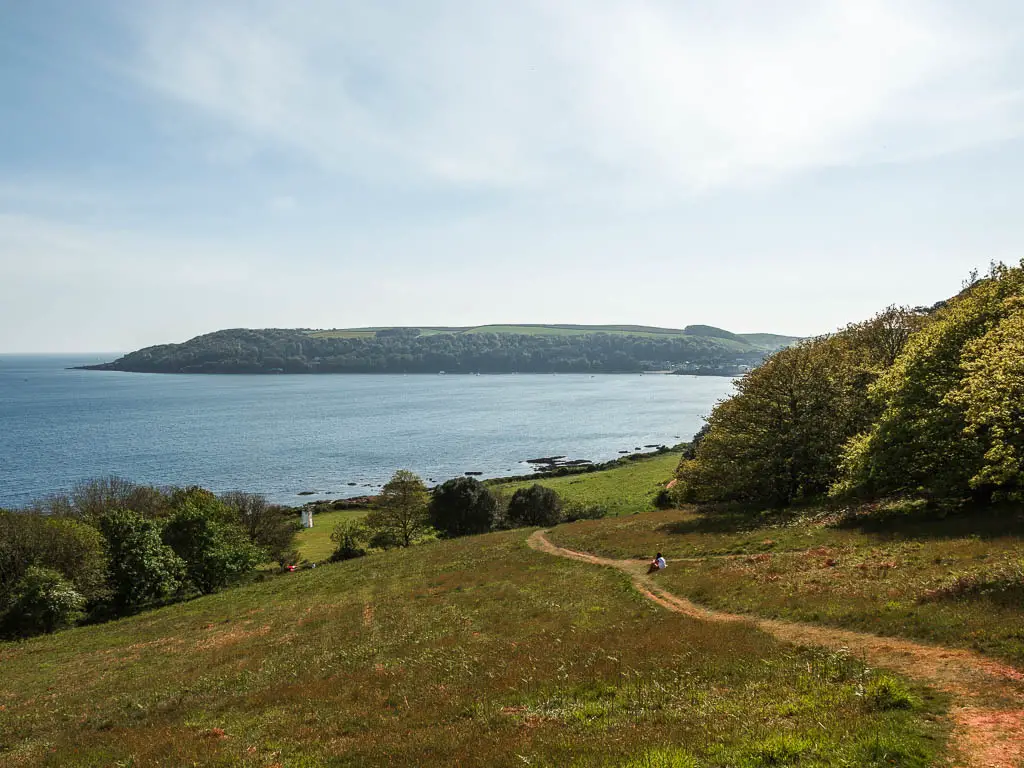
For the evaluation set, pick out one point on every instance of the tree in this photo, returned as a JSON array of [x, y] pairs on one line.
[[42, 601], [142, 567], [535, 505], [400, 517], [90, 499], [72, 548], [349, 537], [991, 396], [939, 432], [205, 534], [270, 526], [781, 437], [462, 506]]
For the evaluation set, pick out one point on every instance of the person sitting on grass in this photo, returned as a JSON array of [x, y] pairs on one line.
[[657, 563]]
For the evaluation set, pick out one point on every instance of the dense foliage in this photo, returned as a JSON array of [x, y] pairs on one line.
[[296, 351], [111, 547], [462, 506], [910, 403], [534, 505], [43, 600], [781, 437], [951, 405]]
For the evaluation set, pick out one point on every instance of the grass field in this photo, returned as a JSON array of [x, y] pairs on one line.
[[476, 652], [622, 490], [955, 581], [314, 544]]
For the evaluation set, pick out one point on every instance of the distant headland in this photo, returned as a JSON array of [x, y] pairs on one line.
[[695, 349]]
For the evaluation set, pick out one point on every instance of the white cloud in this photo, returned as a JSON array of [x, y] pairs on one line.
[[572, 94]]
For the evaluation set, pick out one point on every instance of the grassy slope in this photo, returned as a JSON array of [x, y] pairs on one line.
[[623, 490], [472, 652], [958, 581]]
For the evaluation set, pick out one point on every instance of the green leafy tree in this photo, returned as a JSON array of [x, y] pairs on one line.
[[781, 437], [71, 547], [42, 601], [142, 568], [205, 534], [400, 517], [534, 505], [462, 506], [270, 526], [991, 397], [350, 538], [934, 434]]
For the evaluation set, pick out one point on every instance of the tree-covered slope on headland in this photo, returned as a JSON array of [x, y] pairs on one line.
[[484, 349]]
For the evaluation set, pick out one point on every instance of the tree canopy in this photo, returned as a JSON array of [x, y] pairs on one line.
[[780, 438], [296, 351], [400, 517]]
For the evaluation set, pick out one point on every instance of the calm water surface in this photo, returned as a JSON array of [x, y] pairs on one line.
[[280, 435]]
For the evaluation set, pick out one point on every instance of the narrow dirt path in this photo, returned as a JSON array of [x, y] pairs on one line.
[[988, 710]]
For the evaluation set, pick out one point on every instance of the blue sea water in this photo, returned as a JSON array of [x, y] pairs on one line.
[[280, 435]]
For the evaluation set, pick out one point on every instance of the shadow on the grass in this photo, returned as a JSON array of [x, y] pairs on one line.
[[917, 520]]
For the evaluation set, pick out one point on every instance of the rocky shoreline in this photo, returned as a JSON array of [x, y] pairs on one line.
[[540, 467]]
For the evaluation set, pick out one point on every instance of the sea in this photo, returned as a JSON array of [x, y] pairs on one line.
[[297, 438]]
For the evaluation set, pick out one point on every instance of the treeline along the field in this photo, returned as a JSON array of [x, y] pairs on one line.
[[406, 351], [911, 402], [111, 547]]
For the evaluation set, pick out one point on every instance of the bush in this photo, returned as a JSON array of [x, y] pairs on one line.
[[578, 511], [664, 499], [461, 507], [349, 538], [535, 505], [70, 547], [42, 601], [886, 692]]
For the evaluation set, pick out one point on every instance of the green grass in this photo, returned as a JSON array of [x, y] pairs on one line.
[[314, 544], [955, 581], [476, 652], [622, 490]]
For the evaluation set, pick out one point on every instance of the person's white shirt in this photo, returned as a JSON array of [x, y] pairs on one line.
[[661, 563]]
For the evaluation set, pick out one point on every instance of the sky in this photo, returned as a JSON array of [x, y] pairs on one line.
[[172, 167]]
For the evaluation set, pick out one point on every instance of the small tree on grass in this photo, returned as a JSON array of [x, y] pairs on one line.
[[462, 506], [400, 517], [535, 505], [42, 601], [349, 537]]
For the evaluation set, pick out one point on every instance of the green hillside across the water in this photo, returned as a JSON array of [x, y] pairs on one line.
[[697, 349]]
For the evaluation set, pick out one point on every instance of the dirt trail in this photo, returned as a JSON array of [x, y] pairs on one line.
[[988, 710]]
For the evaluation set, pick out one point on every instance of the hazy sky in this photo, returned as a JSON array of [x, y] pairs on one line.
[[171, 168]]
